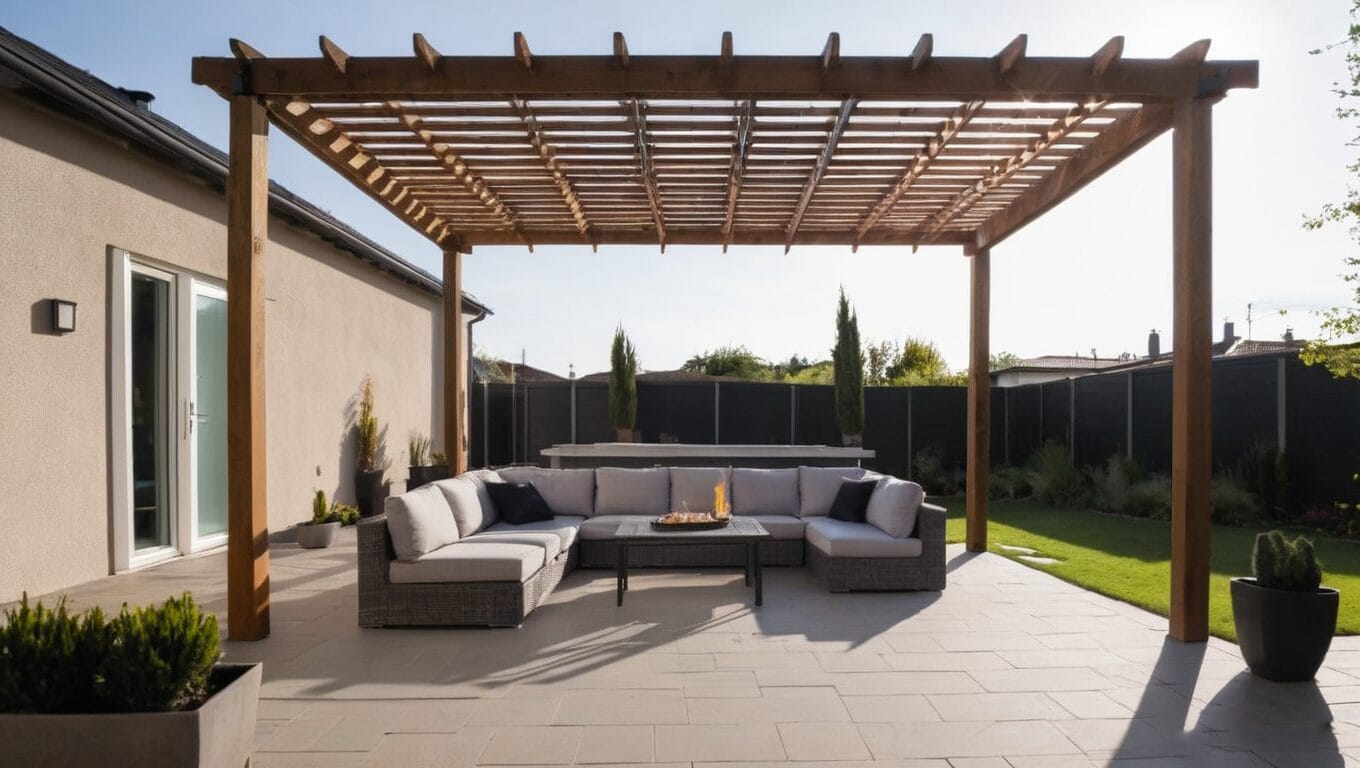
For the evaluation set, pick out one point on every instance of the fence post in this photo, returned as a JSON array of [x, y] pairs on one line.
[[793, 414], [514, 422], [1128, 415], [911, 457], [486, 424], [1280, 403], [717, 412]]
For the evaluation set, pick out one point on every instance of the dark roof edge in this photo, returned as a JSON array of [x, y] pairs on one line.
[[112, 109]]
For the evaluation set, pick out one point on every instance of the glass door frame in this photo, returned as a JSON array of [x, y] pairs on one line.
[[189, 540], [185, 286]]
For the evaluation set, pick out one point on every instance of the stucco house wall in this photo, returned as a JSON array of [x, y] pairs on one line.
[[68, 195]]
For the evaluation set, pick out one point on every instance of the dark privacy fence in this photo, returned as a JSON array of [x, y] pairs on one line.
[[1271, 398]]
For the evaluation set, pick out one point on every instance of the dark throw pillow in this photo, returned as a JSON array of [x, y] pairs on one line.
[[519, 503], [852, 500]]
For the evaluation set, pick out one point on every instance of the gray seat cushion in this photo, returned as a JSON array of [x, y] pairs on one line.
[[892, 508], [419, 522], [551, 542], [764, 491], [602, 527], [781, 527], [564, 527], [838, 538], [465, 561], [817, 487], [632, 491], [692, 487], [471, 504], [567, 491]]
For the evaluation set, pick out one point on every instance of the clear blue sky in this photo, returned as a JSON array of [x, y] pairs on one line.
[[1095, 273]]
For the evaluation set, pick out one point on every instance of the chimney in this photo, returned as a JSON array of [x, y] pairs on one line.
[[1228, 335], [1288, 334], [140, 99], [1154, 344]]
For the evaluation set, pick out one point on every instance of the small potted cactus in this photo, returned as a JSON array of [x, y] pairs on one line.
[[1285, 618], [320, 531]]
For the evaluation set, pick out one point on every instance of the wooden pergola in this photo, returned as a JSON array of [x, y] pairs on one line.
[[723, 150]]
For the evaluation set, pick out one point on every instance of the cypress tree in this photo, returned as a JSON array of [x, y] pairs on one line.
[[848, 361], [622, 382]]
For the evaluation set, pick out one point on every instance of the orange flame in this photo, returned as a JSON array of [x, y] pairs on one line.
[[720, 504]]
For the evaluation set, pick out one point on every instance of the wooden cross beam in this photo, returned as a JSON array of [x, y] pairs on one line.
[[546, 153], [814, 178], [920, 55], [1007, 168], [648, 170], [425, 52], [740, 150], [934, 147], [1108, 54]]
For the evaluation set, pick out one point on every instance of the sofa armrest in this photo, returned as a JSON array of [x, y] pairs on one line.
[[930, 527], [375, 550]]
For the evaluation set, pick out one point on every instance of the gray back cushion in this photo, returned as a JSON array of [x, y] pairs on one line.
[[817, 487], [567, 491], [419, 522], [692, 487], [893, 506], [764, 491], [471, 504], [632, 491]]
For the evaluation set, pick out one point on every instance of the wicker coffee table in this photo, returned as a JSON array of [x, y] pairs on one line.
[[639, 533]]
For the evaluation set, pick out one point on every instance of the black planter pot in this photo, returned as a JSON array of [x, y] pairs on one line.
[[369, 492], [423, 475], [1284, 635]]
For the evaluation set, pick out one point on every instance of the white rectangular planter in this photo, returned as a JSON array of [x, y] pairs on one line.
[[219, 733]]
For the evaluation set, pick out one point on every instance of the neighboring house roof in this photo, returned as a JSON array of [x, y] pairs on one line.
[[1062, 363], [1257, 346], [57, 84], [526, 374]]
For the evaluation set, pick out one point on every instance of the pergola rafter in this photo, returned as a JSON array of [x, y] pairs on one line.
[[725, 149]]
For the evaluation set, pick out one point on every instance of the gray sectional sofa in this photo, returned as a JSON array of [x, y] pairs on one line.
[[439, 555]]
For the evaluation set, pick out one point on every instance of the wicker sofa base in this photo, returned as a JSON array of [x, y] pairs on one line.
[[876, 574], [383, 603], [605, 554]]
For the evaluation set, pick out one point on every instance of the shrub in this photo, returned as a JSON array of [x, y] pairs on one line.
[[1231, 504], [335, 512], [152, 659], [1278, 563], [1052, 477], [1151, 498], [847, 359], [1263, 470], [1007, 482], [366, 431], [417, 446], [932, 474], [345, 514], [1111, 486], [439, 458]]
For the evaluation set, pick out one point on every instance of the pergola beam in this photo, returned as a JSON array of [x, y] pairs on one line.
[[951, 128], [648, 171], [740, 148], [814, 178], [725, 77], [1107, 150], [548, 156]]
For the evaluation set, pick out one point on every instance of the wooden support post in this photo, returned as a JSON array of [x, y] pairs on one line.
[[979, 398], [1191, 388], [455, 363], [247, 517]]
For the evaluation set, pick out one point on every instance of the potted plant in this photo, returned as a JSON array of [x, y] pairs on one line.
[[144, 687], [369, 490], [320, 531], [623, 386], [1285, 619], [847, 360], [426, 466]]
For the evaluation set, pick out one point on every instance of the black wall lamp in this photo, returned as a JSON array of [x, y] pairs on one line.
[[63, 316]]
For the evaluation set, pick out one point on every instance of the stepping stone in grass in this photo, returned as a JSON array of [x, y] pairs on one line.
[[1018, 550], [1038, 560]]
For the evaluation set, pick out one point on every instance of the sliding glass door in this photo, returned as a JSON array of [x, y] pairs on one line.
[[208, 415], [152, 363]]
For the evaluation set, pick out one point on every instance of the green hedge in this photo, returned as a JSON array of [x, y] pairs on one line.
[[151, 659]]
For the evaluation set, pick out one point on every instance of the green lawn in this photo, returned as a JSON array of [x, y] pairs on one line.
[[1129, 559]]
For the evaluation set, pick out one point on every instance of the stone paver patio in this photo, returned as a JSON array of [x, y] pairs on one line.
[[1006, 667]]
